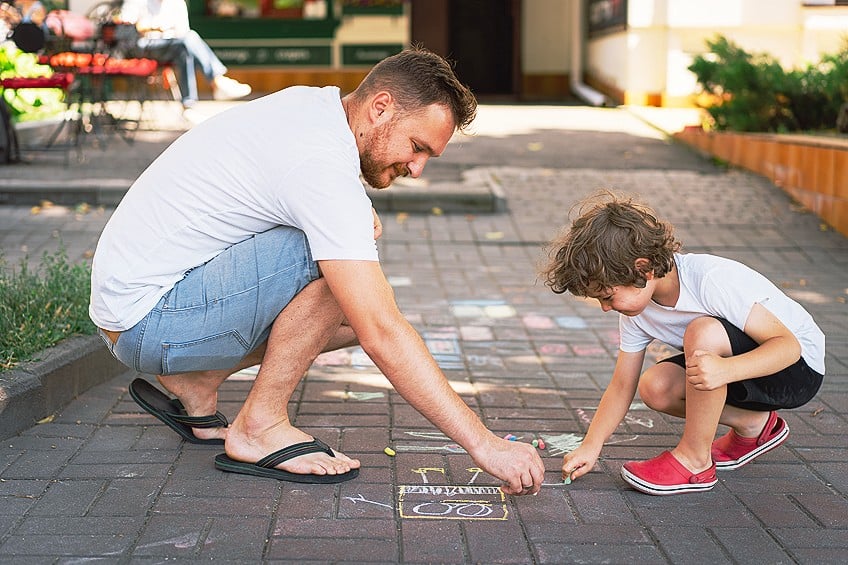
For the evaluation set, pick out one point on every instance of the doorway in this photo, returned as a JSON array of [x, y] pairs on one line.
[[480, 36]]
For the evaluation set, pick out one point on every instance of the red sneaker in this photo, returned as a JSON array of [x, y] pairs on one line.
[[731, 450], [664, 474]]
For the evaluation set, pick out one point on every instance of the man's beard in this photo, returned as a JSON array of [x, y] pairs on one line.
[[370, 166], [372, 171]]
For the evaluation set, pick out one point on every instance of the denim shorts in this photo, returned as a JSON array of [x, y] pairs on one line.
[[791, 387], [221, 310]]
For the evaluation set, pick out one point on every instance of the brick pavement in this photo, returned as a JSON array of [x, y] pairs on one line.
[[104, 481]]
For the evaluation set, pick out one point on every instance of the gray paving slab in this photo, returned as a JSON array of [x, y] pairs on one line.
[[105, 481]]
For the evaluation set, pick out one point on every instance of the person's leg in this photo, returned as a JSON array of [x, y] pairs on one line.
[[223, 87], [198, 391], [303, 330], [218, 318], [176, 53], [703, 407], [209, 63], [663, 388]]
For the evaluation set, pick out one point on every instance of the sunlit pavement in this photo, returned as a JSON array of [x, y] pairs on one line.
[[104, 480]]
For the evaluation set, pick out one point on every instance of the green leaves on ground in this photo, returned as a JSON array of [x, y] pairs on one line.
[[41, 307]]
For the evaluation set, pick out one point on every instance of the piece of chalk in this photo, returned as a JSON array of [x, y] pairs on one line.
[[389, 451], [535, 443], [541, 444], [567, 480], [507, 436], [513, 438]]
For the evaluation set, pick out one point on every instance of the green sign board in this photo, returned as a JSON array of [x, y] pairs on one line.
[[274, 55], [368, 54]]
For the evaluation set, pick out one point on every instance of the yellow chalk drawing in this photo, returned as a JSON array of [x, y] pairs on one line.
[[452, 502]]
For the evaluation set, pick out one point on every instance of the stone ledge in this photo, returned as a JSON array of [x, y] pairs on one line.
[[476, 193], [37, 389], [811, 169]]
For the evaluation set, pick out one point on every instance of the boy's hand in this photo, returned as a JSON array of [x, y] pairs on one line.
[[706, 371], [578, 462]]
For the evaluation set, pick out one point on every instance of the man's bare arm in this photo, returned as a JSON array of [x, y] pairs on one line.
[[368, 302]]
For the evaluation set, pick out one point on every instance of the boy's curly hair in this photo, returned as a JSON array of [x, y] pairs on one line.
[[600, 249]]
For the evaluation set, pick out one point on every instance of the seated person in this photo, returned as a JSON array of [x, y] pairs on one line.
[[14, 12], [166, 36]]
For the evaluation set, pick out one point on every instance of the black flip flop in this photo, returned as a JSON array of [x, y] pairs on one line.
[[171, 412], [265, 466]]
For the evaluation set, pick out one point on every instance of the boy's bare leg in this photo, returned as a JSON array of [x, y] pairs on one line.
[[663, 388], [307, 326], [703, 407], [703, 410]]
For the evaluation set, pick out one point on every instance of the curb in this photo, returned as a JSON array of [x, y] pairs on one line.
[[37, 389], [97, 192], [477, 193]]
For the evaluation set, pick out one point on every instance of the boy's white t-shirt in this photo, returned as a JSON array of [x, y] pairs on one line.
[[721, 287], [288, 158]]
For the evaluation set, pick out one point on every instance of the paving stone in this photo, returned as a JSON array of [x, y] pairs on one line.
[[690, 545], [333, 550], [105, 481], [68, 498], [747, 545], [433, 541]]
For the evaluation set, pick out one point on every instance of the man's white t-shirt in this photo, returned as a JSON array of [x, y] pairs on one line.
[[724, 288], [288, 158]]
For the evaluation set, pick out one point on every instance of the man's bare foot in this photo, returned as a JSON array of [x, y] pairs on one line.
[[243, 446], [199, 396]]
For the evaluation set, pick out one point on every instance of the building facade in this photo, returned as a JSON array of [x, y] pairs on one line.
[[605, 51]]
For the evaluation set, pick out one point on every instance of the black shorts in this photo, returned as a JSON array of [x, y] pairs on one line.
[[792, 387]]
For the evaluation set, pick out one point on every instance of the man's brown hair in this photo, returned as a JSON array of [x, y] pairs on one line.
[[600, 249], [417, 78]]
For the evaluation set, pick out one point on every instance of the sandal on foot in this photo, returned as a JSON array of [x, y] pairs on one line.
[[265, 467], [664, 474], [731, 450], [172, 413]]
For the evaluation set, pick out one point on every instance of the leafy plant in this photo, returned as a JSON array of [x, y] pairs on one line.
[[28, 104], [752, 92], [39, 308]]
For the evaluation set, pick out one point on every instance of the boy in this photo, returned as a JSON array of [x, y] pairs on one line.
[[748, 349]]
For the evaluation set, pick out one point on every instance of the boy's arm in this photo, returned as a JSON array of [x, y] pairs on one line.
[[778, 349], [614, 405]]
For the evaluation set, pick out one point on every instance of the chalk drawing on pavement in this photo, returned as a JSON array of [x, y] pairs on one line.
[[445, 502], [448, 502], [562, 443]]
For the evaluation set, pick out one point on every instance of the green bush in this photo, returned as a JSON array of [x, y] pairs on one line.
[[752, 92], [28, 104], [41, 308]]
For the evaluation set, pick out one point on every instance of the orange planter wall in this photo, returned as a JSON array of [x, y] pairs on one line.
[[813, 170]]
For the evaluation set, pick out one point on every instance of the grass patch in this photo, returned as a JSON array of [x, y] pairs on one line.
[[41, 307]]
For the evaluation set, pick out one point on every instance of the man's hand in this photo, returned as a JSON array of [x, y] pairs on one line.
[[578, 462], [706, 371], [515, 463], [367, 301]]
